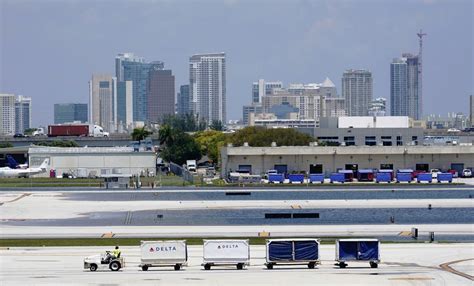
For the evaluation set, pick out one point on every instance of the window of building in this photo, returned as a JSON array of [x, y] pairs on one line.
[[349, 140], [370, 141], [104, 84]]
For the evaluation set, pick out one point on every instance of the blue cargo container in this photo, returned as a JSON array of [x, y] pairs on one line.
[[337, 177], [358, 250], [276, 178], [365, 175], [316, 178], [404, 177], [424, 177], [292, 251], [348, 175], [445, 177], [383, 177], [296, 178]]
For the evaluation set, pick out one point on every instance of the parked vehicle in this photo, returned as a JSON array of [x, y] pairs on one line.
[[191, 165], [226, 252], [19, 135], [365, 249], [454, 173], [103, 262], [292, 251], [434, 173], [466, 173], [163, 253], [89, 130]]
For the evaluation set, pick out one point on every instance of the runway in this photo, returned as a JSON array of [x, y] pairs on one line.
[[402, 264]]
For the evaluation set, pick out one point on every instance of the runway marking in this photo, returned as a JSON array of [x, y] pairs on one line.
[[108, 235], [16, 199], [412, 278], [405, 233], [446, 267]]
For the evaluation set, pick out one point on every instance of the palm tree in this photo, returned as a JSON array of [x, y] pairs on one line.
[[140, 134]]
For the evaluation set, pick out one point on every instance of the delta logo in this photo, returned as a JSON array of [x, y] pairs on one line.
[[162, 248]]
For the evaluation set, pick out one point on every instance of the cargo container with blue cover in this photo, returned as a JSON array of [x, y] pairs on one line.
[[292, 251], [296, 178], [364, 249], [445, 177], [316, 178]]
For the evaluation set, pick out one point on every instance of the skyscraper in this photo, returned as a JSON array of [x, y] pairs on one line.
[[70, 112], [261, 88], [183, 100], [125, 103], [207, 86], [405, 96], [7, 113], [129, 67], [471, 110], [160, 94], [22, 114], [378, 107], [357, 91], [103, 101]]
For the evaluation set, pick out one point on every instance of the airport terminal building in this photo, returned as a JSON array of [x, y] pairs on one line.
[[93, 161], [319, 159]]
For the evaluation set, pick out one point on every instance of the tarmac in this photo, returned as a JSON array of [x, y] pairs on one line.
[[402, 264]]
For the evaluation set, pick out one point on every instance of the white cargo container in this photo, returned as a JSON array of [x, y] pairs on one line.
[[226, 252], [163, 253]]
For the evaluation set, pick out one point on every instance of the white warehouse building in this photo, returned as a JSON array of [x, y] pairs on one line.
[[93, 161]]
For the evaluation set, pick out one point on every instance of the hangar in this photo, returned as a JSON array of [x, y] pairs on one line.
[[93, 161], [319, 159]]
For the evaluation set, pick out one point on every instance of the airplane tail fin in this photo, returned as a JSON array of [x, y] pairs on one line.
[[12, 163], [44, 164]]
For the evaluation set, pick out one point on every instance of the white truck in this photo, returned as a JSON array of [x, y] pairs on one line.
[[163, 253], [191, 165], [226, 252], [39, 132]]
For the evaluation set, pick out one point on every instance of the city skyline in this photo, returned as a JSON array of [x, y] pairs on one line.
[[445, 22]]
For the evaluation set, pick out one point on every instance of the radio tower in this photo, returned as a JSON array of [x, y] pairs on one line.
[[420, 74]]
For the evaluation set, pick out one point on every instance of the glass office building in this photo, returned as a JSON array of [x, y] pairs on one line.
[[70, 112]]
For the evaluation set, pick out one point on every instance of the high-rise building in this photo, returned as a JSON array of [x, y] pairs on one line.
[[22, 114], [207, 86], [406, 93], [7, 114], [378, 107], [183, 100], [125, 103], [254, 108], [160, 94], [471, 110], [261, 88], [357, 90], [129, 67], [103, 101], [334, 107], [70, 112]]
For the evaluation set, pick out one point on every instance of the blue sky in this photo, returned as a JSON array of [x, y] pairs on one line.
[[49, 49]]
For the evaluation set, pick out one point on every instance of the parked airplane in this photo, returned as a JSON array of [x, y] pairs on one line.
[[13, 164], [9, 172]]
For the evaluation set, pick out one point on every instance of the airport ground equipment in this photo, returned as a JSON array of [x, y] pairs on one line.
[[383, 177], [424, 177], [316, 178], [292, 251], [445, 177], [163, 253], [276, 178], [337, 177], [226, 252], [364, 249], [366, 175], [103, 262], [348, 175], [296, 178], [404, 177]]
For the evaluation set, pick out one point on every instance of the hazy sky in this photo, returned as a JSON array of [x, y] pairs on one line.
[[49, 49]]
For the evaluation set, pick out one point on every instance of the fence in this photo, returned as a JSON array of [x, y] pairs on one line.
[[182, 172]]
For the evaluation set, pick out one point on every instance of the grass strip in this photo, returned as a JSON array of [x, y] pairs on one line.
[[49, 242]]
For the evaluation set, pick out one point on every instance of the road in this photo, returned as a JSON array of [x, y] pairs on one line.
[[402, 264]]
